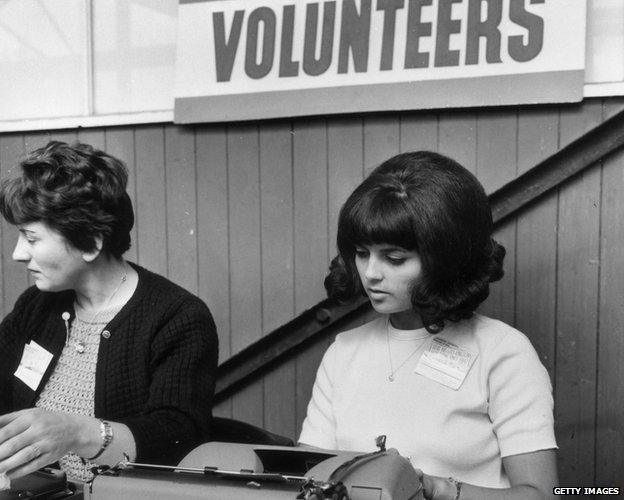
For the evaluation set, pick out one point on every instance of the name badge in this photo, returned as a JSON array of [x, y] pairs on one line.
[[34, 362], [445, 363]]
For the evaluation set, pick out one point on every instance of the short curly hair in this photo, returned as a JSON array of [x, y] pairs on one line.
[[75, 189], [427, 203]]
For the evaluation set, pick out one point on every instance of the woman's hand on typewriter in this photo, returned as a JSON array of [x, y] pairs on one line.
[[33, 438], [437, 488]]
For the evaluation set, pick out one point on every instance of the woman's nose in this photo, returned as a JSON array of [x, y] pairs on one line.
[[373, 270], [20, 252]]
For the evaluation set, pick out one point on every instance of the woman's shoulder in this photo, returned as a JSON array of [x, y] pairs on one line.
[[489, 334], [158, 287], [363, 334]]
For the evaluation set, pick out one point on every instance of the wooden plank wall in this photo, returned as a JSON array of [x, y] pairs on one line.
[[245, 215]]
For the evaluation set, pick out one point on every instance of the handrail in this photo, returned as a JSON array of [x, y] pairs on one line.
[[325, 318]]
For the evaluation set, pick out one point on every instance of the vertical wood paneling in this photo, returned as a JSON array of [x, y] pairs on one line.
[[277, 244], [345, 169], [310, 211], [536, 242], [577, 300], [610, 384], [69, 136], [278, 280], [213, 232], [457, 137], [14, 274], [497, 148], [419, 132], [245, 259], [307, 366], [496, 164], [35, 140], [382, 135], [181, 206], [248, 404], [151, 205], [244, 210], [96, 137], [120, 144], [280, 387]]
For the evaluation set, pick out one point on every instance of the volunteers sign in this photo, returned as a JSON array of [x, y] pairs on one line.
[[254, 59]]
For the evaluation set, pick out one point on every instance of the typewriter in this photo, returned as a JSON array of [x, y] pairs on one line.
[[236, 471]]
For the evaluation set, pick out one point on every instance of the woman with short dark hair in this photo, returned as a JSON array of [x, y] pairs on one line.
[[463, 395], [101, 357]]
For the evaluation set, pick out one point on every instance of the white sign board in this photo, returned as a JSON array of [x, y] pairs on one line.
[[256, 59]]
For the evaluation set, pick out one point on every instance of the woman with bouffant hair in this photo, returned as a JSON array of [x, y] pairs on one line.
[[100, 358], [464, 396]]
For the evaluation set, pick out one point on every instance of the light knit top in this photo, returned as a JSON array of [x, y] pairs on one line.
[[71, 387], [503, 407]]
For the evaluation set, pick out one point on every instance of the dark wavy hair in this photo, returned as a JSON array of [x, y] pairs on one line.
[[427, 203], [75, 189]]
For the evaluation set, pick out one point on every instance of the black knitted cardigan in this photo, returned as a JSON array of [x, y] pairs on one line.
[[155, 372]]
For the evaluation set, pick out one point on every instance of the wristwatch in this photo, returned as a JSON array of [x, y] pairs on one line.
[[458, 485]]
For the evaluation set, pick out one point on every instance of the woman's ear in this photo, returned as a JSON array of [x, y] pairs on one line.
[[91, 255]]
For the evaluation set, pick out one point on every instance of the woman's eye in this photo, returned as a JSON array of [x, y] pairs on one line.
[[360, 253], [396, 261]]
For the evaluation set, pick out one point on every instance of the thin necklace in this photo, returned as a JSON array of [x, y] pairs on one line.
[[79, 345], [392, 369]]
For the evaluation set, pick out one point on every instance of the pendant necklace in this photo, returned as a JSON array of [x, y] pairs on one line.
[[393, 370], [79, 344]]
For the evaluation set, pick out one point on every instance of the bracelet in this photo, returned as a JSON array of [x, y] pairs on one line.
[[106, 434], [458, 485]]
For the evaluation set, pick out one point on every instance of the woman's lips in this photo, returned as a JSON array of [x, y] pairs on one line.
[[377, 294]]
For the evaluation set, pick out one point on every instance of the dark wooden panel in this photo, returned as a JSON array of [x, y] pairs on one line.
[[577, 298], [457, 137], [381, 140], [120, 144], [277, 239], [151, 200], [307, 366], [244, 209], [34, 140], [496, 148], [69, 136], [576, 119], [612, 106], [345, 168], [248, 404], [610, 408], [419, 132], [181, 206], [279, 388], [213, 232], [310, 211], [96, 137], [496, 163], [536, 278], [14, 274], [278, 281]]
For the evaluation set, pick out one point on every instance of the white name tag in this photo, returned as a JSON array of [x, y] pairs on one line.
[[445, 363], [34, 362]]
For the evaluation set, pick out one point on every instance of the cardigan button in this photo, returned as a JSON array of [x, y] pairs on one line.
[[106, 334]]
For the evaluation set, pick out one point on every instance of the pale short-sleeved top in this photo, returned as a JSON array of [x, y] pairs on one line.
[[503, 407]]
